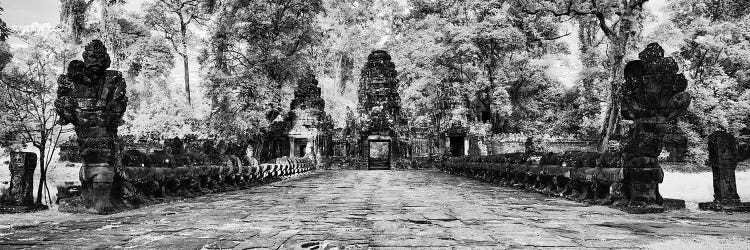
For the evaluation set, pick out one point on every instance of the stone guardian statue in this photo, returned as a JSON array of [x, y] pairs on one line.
[[93, 99]]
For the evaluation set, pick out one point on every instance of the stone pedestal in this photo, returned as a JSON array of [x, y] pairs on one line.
[[722, 157], [20, 196], [642, 187]]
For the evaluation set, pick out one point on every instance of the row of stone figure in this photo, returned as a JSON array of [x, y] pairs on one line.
[[199, 166], [582, 176], [141, 184], [574, 159], [200, 152], [159, 181]]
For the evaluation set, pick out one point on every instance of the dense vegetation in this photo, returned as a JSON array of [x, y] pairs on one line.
[[537, 67]]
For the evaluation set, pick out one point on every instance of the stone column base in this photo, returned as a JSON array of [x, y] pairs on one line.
[[725, 206], [673, 204]]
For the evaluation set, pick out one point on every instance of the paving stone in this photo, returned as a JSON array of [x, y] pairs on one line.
[[373, 210], [408, 241]]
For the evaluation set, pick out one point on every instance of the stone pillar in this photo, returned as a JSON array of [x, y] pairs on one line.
[[20, 192], [722, 158]]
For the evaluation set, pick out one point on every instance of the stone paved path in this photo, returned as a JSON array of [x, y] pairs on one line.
[[374, 209]]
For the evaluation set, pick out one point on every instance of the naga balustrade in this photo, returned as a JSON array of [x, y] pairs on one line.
[[582, 176], [162, 181], [141, 184]]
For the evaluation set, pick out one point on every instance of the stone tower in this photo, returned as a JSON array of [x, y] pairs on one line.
[[379, 101], [380, 111], [310, 121], [303, 132]]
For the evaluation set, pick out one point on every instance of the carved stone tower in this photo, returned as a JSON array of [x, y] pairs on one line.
[[380, 110]]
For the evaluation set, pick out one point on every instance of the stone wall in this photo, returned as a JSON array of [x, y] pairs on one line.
[[513, 143], [344, 162], [360, 163]]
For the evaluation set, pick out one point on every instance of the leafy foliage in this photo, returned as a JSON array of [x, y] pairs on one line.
[[173, 18], [489, 57], [621, 22], [154, 109], [27, 93], [257, 50], [475, 61], [711, 39], [351, 29]]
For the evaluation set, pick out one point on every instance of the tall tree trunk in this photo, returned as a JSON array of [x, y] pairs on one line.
[[42, 171], [185, 58], [613, 110], [185, 64], [75, 34], [103, 28], [628, 27]]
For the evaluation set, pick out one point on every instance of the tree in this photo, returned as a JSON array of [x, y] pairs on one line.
[[173, 18], [489, 55], [711, 41], [592, 86], [153, 109], [5, 58], [351, 29], [4, 30], [27, 94], [620, 21], [74, 15], [257, 50]]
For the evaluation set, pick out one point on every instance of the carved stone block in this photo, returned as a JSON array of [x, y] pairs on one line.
[[722, 158], [21, 166]]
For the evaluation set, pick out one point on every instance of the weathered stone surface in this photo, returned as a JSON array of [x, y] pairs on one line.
[[379, 107], [653, 96], [22, 166], [722, 158], [20, 197], [582, 176], [370, 209], [378, 92], [743, 147], [93, 99], [305, 130]]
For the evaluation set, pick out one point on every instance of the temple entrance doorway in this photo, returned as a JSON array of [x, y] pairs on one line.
[[379, 156], [457, 145], [300, 144]]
